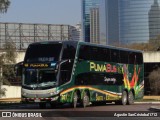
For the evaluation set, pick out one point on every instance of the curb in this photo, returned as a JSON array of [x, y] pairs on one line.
[[146, 102]]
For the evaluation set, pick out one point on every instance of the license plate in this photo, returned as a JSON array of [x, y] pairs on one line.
[[37, 100]]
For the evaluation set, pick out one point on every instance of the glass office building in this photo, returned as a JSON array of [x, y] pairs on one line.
[[87, 5], [125, 21], [109, 22], [139, 20]]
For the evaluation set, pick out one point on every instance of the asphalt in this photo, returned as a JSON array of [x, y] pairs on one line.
[[152, 108], [155, 108]]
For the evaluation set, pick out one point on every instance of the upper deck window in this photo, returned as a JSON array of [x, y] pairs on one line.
[[43, 52]]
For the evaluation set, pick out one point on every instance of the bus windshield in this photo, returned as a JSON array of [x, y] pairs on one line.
[[39, 78], [43, 52]]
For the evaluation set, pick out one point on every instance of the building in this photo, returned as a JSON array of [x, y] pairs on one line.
[[109, 22], [76, 32], [154, 20], [134, 25], [123, 21], [94, 25], [86, 6], [22, 34]]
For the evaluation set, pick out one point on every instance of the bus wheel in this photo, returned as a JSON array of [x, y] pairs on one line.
[[130, 98], [124, 98], [85, 100], [75, 99], [42, 105]]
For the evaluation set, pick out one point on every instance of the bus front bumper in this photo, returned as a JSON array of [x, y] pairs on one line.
[[38, 100]]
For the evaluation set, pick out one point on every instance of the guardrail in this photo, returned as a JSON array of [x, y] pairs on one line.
[[10, 99]]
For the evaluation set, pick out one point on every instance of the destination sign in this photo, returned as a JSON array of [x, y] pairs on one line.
[[38, 65]]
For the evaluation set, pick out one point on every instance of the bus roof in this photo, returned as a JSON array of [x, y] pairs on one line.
[[109, 46], [86, 43]]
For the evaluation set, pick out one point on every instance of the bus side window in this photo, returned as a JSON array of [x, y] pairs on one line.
[[115, 55], [106, 55], [65, 72], [69, 51], [84, 52], [132, 58], [139, 58], [94, 54], [123, 57]]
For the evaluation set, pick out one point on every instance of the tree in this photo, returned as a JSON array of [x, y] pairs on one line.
[[154, 79], [4, 4], [7, 60]]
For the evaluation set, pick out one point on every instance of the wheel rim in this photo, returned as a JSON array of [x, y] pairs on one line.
[[85, 100], [75, 98], [130, 98], [124, 98]]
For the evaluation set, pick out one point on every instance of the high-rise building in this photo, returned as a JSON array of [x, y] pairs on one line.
[[94, 25], [86, 6], [139, 20], [109, 22], [154, 20], [123, 21]]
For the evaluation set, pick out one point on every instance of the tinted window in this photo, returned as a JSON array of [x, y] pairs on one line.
[[124, 57], [43, 52], [69, 51], [65, 71], [99, 79], [84, 52], [132, 58], [139, 58], [106, 54], [94, 53], [115, 55]]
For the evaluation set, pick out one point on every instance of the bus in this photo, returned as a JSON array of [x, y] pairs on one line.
[[80, 73]]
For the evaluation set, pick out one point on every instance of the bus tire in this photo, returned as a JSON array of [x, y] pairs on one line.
[[75, 99], [85, 100], [124, 98], [130, 98], [42, 105]]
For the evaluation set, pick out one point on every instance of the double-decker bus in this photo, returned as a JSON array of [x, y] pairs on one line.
[[81, 73]]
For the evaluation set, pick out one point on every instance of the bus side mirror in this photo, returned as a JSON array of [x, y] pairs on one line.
[[18, 68]]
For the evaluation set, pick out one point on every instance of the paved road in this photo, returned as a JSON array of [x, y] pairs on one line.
[[65, 112]]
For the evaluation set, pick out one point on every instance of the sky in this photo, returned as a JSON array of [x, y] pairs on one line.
[[43, 11]]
